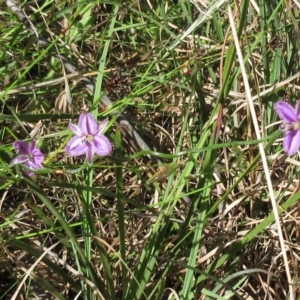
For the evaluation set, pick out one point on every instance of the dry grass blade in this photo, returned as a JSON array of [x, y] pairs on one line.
[[29, 271], [201, 5], [261, 149]]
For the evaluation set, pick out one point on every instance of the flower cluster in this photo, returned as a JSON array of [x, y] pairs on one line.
[[88, 140]]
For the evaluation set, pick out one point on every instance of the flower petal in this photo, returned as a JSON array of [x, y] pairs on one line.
[[38, 160], [20, 159], [37, 152], [102, 126], [29, 173], [32, 164], [285, 111], [75, 146], [90, 154], [22, 147], [102, 146], [87, 124], [76, 129], [291, 142], [32, 146]]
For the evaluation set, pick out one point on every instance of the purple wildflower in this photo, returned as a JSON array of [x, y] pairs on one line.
[[290, 126], [88, 138], [29, 155]]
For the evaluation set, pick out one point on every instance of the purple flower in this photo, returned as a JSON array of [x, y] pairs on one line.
[[290, 126], [88, 138], [29, 155]]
